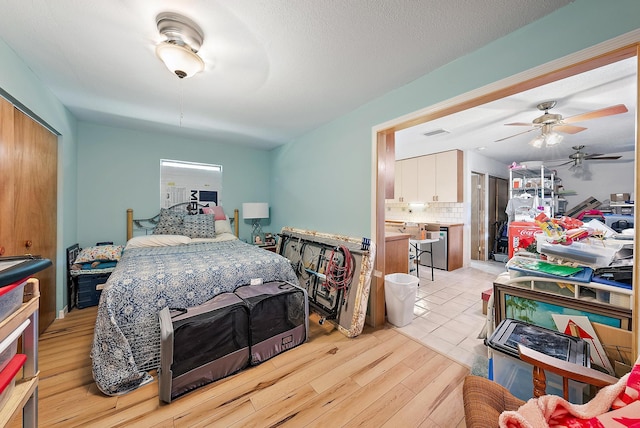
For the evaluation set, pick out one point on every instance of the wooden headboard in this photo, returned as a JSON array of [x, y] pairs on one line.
[[148, 224]]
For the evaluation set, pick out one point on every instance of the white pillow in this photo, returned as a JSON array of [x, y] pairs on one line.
[[223, 226], [156, 241], [220, 237]]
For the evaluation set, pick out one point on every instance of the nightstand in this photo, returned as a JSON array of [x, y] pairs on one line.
[[268, 247]]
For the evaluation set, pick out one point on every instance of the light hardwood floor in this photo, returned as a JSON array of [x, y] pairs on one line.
[[382, 378]]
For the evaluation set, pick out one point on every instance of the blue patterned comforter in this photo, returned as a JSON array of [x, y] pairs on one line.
[[148, 279]]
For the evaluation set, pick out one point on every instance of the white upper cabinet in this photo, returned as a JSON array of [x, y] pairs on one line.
[[409, 180], [448, 176], [430, 178]]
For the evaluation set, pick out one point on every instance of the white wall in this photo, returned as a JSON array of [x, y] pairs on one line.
[[132, 177], [606, 177]]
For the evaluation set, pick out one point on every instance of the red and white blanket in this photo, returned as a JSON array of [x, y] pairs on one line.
[[616, 405]]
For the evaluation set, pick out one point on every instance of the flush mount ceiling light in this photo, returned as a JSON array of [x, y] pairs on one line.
[[183, 40]]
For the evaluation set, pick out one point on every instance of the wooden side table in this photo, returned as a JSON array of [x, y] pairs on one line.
[[268, 247]]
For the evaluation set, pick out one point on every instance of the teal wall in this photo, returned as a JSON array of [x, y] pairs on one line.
[[19, 83], [120, 168], [319, 181], [322, 180]]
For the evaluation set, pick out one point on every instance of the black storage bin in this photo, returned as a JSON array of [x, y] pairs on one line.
[[202, 344], [516, 375], [279, 317], [89, 290]]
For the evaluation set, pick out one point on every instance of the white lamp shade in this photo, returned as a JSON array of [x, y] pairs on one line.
[[255, 210], [179, 59]]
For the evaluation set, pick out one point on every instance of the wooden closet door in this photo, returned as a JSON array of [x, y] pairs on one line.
[[34, 203], [7, 246]]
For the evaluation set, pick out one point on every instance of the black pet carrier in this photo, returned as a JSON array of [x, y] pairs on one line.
[[202, 344], [279, 318]]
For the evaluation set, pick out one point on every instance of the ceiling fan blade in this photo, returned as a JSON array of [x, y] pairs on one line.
[[594, 157], [607, 111], [514, 135], [568, 129], [518, 124], [565, 163]]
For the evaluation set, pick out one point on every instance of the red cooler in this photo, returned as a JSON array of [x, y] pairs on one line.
[[519, 230]]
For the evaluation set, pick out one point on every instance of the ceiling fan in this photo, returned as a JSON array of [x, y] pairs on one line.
[[579, 157], [549, 122]]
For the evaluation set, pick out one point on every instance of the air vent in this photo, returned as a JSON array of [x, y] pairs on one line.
[[435, 132]]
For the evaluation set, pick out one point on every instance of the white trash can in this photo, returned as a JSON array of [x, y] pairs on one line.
[[400, 297]]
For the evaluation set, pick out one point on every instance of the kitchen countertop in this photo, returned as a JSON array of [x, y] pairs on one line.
[[394, 236], [393, 223]]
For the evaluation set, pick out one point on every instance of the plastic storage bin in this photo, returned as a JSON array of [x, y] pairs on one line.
[[8, 377], [11, 298], [517, 376], [88, 294], [9, 346], [400, 297], [590, 252]]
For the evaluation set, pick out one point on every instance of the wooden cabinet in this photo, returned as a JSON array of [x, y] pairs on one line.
[[431, 178], [427, 178], [455, 247], [396, 253], [28, 201], [406, 182], [25, 393], [440, 177]]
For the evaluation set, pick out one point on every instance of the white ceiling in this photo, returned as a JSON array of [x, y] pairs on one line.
[[479, 128], [275, 69]]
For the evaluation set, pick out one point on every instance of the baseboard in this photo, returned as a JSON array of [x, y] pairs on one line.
[[62, 313]]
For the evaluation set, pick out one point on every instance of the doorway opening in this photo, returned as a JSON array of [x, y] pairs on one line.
[[497, 217], [478, 235], [570, 66]]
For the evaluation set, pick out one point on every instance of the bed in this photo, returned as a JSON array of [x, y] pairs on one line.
[[167, 270]]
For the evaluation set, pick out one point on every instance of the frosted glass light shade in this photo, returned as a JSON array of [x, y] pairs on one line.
[[255, 210], [553, 138], [179, 59]]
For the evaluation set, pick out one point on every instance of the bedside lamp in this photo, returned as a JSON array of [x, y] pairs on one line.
[[255, 211]]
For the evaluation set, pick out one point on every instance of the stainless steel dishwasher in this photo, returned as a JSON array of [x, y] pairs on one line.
[[439, 252]]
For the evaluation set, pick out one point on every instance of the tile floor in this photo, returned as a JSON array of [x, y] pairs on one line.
[[448, 311]]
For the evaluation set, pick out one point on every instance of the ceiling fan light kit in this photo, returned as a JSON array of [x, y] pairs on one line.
[[578, 158], [553, 138], [547, 138], [183, 40], [552, 124]]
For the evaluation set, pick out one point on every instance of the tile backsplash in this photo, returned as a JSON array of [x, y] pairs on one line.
[[443, 212]]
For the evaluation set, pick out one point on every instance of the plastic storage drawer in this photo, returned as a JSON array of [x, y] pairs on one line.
[[516, 375], [9, 346], [11, 298], [88, 293], [8, 377]]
